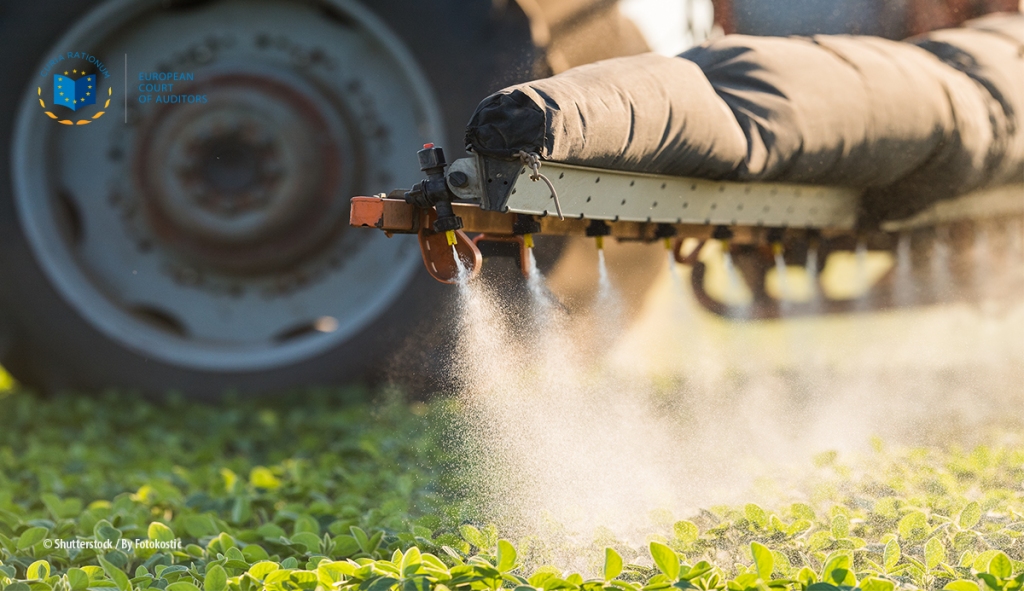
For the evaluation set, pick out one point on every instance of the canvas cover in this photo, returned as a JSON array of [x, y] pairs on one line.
[[909, 122]]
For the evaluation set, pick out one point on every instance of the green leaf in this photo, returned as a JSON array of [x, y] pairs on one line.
[[53, 505], [117, 575], [30, 537], [806, 576], [411, 561], [330, 572], [982, 560], [216, 579], [686, 532], [840, 526], [344, 546], [260, 570], [361, 538], [914, 527], [970, 516], [419, 583], [473, 536], [182, 586], [382, 584], [891, 556], [233, 553], [934, 552], [961, 585], [160, 532], [78, 579], [506, 556], [309, 541], [612, 564], [876, 584], [837, 570], [199, 526], [756, 515], [802, 511], [278, 576], [838, 575], [105, 531], [306, 523], [39, 569], [819, 540], [991, 581], [696, 571], [543, 574], [254, 553], [374, 541], [1001, 566], [666, 559], [262, 477], [302, 579], [763, 560]]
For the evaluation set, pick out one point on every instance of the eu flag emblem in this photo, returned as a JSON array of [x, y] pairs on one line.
[[74, 94]]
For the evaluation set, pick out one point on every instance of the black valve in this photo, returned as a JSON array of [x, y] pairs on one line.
[[525, 224], [664, 231], [722, 233], [598, 228], [775, 235], [433, 191]]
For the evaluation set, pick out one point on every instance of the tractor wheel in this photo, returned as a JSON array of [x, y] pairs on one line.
[[202, 246]]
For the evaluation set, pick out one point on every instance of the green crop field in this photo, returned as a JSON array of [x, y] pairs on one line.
[[344, 490]]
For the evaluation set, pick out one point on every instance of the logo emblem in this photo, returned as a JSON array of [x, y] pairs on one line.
[[74, 94], [74, 91]]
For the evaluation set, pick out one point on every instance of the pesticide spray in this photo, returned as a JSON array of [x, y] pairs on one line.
[[584, 429]]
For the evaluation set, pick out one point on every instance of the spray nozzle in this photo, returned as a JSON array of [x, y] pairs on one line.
[[723, 235], [598, 229], [666, 232], [440, 227], [813, 238], [526, 226], [775, 236]]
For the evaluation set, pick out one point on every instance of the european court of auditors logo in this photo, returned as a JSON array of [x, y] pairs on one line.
[[73, 89]]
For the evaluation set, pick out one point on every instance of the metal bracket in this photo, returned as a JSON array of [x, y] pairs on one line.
[[590, 193], [491, 180]]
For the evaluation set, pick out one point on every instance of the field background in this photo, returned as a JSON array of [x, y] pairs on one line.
[[371, 490]]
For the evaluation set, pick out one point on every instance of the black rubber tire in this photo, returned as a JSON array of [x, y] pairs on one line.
[[466, 49]]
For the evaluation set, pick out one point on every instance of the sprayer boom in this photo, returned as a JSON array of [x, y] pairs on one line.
[[510, 201]]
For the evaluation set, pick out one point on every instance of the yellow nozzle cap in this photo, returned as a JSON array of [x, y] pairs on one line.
[[600, 242], [776, 248], [450, 235], [668, 244], [528, 240]]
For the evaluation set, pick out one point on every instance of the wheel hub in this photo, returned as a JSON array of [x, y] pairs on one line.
[[249, 181]]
